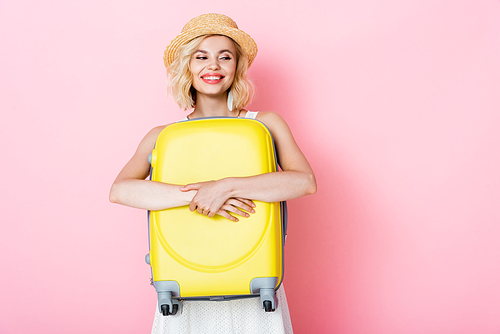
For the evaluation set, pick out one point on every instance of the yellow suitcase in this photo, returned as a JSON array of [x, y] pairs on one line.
[[194, 257]]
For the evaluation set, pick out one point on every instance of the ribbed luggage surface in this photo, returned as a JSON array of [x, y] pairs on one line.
[[214, 256]]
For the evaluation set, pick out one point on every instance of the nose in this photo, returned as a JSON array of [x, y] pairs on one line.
[[214, 64]]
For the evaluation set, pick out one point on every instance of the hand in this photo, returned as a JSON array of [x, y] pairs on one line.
[[210, 196], [236, 205], [213, 197]]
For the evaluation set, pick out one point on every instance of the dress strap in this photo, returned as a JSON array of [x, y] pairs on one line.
[[251, 114]]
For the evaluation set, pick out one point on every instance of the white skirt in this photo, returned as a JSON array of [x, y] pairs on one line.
[[241, 316]]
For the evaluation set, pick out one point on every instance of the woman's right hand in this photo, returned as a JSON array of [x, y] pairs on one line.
[[236, 206]]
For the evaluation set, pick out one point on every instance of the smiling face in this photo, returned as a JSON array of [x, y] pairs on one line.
[[213, 65]]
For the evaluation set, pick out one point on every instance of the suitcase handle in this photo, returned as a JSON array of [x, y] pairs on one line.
[[284, 219]]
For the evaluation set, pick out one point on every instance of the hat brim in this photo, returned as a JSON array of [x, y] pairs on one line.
[[243, 39]]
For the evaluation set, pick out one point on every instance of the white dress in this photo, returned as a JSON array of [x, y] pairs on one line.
[[241, 316]]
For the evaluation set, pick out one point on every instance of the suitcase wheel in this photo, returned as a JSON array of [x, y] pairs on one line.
[[165, 309], [268, 306]]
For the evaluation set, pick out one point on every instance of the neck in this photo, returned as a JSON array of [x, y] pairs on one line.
[[207, 106]]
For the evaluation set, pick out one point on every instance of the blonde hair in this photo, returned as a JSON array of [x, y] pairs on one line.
[[180, 81]]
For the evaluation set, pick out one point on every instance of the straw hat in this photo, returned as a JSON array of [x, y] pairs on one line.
[[208, 24]]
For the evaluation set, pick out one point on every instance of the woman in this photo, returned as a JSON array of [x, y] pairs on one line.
[[207, 66]]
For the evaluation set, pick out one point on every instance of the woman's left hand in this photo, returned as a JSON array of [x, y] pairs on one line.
[[210, 196]]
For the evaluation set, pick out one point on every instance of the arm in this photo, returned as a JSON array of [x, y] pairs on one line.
[[295, 180], [130, 187]]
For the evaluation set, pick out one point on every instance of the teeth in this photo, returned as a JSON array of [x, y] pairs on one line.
[[212, 78]]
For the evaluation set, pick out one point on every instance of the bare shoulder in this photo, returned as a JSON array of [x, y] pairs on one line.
[[270, 116], [148, 142], [154, 132], [290, 157], [138, 166], [274, 122]]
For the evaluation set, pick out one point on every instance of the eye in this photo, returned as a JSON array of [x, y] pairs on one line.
[[201, 57], [225, 58]]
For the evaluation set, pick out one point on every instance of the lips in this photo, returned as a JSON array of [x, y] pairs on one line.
[[212, 78]]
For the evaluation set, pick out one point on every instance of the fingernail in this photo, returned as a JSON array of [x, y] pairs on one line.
[[247, 215], [252, 211]]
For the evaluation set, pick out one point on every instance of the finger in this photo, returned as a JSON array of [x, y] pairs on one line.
[[191, 186], [226, 215], [241, 205], [205, 211], [247, 201], [192, 207], [213, 207], [235, 210]]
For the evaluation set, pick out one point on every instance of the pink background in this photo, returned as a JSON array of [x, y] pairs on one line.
[[395, 103]]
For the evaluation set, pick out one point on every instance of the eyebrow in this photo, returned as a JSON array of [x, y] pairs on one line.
[[221, 51]]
